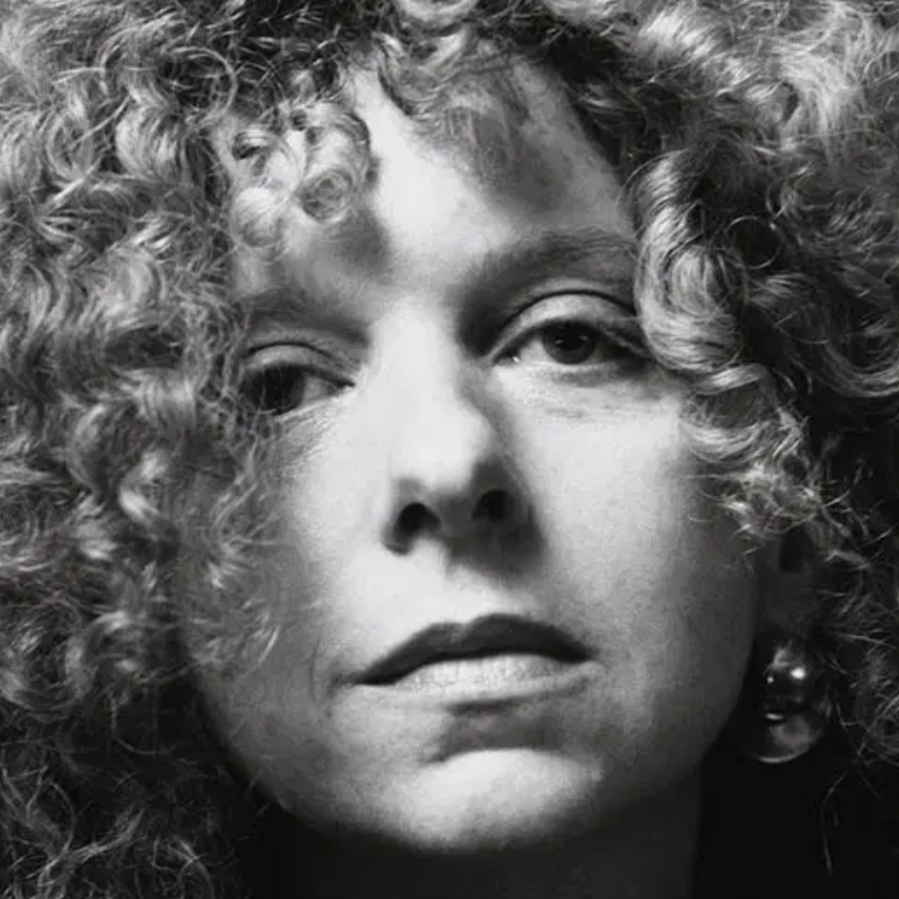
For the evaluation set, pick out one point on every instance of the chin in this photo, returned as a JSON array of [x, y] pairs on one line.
[[493, 801]]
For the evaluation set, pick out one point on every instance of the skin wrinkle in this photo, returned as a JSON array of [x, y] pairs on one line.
[[762, 404], [421, 379], [597, 251]]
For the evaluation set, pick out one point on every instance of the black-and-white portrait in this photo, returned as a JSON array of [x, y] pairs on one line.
[[448, 449]]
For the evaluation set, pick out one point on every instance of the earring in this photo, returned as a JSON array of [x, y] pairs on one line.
[[784, 709]]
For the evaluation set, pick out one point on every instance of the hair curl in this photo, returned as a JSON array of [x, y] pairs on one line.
[[759, 144]]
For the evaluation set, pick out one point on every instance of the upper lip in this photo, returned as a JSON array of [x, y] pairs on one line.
[[484, 636]]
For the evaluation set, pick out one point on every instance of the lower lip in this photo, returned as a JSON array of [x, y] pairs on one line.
[[502, 676]]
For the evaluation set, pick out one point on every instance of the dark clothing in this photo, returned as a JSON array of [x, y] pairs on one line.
[[814, 828]]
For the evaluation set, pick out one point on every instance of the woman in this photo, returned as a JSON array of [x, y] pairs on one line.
[[448, 449]]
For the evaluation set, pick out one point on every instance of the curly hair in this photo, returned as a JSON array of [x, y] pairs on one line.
[[759, 143]]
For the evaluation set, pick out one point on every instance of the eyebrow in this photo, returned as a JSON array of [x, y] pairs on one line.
[[286, 305], [612, 256], [282, 303], [505, 270], [604, 255]]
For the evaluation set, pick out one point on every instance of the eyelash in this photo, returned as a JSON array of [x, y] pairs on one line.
[[552, 335], [615, 334], [278, 379]]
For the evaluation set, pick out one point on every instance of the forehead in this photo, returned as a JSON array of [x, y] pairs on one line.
[[514, 132], [515, 169]]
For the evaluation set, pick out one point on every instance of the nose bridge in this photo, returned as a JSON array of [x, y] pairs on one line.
[[447, 469], [445, 435], [420, 357]]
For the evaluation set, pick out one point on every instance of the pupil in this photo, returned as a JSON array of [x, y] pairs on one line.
[[276, 390], [568, 343]]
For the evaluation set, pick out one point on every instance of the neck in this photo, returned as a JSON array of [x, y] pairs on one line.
[[643, 853]]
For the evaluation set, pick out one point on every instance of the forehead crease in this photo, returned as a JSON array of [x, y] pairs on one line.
[[609, 254]]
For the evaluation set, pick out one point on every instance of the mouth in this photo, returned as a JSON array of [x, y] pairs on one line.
[[493, 652]]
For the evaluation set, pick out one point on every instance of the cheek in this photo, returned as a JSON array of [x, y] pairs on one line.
[[275, 713], [262, 693], [652, 569], [633, 555], [681, 640]]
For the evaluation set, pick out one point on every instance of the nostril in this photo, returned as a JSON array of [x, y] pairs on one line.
[[413, 519], [494, 506], [451, 518]]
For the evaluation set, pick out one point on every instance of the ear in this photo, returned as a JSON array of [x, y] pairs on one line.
[[785, 583]]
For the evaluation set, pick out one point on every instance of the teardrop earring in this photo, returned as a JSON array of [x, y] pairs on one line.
[[785, 707]]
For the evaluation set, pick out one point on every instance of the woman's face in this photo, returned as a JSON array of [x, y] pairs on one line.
[[508, 607]]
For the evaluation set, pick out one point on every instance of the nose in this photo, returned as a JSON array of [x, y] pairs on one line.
[[449, 476]]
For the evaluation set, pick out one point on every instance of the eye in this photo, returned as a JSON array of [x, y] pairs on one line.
[[282, 389], [278, 380], [566, 343], [571, 331]]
